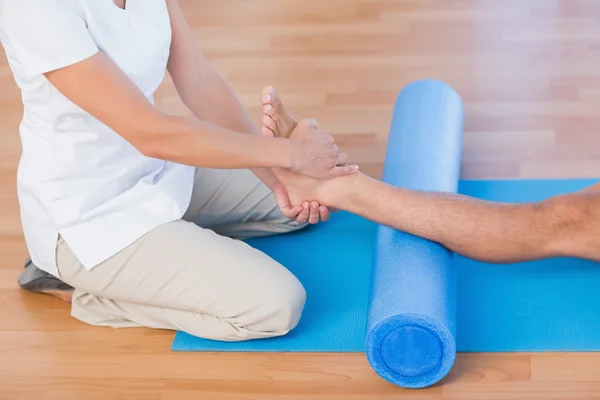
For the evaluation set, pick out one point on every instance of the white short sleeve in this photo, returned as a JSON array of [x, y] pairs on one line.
[[46, 35]]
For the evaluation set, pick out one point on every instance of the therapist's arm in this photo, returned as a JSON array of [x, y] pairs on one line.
[[100, 88], [208, 95], [201, 88]]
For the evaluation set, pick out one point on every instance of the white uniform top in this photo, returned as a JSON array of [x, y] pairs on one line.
[[77, 177]]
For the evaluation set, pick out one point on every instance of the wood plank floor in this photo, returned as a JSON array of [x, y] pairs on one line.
[[529, 73]]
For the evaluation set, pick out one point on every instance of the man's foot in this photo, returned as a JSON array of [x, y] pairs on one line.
[[35, 280], [279, 122]]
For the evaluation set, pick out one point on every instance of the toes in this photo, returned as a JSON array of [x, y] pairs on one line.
[[273, 107], [270, 97], [266, 131], [268, 94], [270, 111], [269, 123]]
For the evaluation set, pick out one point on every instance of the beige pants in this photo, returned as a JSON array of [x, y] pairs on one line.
[[191, 275]]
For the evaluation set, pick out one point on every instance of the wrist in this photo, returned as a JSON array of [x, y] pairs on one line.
[[289, 154], [281, 153], [293, 159]]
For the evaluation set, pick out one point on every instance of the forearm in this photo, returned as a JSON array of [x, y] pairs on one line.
[[201, 88], [493, 232], [212, 99], [198, 143]]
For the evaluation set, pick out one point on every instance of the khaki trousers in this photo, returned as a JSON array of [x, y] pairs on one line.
[[192, 274]]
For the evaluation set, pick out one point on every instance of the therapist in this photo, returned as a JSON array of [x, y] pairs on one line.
[[561, 226], [139, 210]]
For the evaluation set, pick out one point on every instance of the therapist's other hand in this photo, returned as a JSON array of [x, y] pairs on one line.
[[306, 211]]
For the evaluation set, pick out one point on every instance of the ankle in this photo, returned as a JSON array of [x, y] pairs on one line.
[[342, 192]]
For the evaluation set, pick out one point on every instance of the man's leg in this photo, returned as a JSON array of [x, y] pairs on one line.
[[567, 225], [183, 277]]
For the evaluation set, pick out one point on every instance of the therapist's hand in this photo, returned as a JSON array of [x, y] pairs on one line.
[[308, 211], [316, 154]]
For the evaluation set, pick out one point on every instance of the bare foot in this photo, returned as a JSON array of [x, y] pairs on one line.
[[279, 122], [66, 295]]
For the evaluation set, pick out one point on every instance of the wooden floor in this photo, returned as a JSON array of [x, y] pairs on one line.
[[529, 73]]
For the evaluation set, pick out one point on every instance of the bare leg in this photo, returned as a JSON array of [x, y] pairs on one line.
[[277, 120], [566, 225]]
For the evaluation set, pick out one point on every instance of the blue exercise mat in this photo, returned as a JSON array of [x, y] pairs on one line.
[[409, 313], [548, 305]]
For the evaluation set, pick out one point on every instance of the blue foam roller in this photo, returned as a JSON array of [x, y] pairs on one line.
[[411, 333]]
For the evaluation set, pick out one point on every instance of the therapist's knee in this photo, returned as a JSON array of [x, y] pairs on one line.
[[274, 311], [286, 306]]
